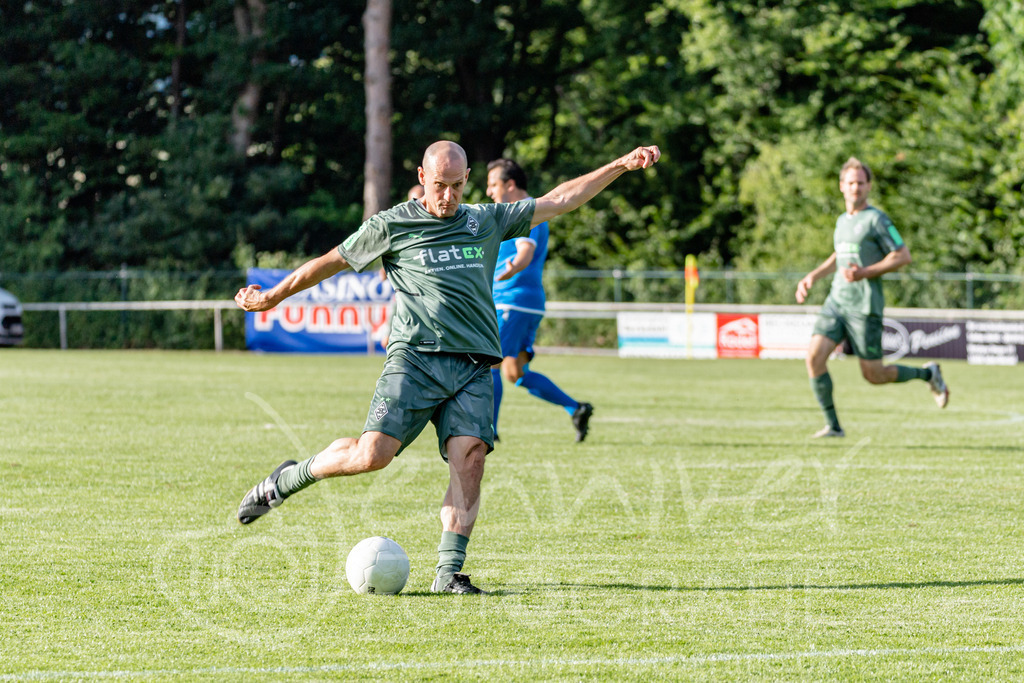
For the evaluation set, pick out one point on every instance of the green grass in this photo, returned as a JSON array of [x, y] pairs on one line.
[[697, 534]]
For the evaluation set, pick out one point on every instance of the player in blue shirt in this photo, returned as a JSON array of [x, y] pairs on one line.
[[519, 300]]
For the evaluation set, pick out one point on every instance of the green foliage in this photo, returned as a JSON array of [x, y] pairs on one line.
[[114, 138]]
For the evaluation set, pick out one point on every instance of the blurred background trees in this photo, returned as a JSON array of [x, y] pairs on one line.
[[198, 135]]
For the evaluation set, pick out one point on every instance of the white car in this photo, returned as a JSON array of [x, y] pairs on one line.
[[11, 330]]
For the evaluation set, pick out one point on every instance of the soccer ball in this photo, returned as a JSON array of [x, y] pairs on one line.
[[377, 565]]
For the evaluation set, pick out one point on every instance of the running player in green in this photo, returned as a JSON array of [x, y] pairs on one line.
[[440, 256], [867, 246]]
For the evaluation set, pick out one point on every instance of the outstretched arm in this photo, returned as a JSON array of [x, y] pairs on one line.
[[312, 272], [575, 193], [827, 267]]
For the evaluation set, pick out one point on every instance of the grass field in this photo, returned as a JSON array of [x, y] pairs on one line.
[[697, 534]]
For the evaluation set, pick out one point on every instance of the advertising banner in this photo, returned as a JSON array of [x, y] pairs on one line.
[[667, 335], [737, 336], [347, 313], [923, 339], [994, 342], [785, 335]]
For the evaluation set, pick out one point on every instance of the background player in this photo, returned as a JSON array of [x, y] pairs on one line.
[[519, 300], [867, 246]]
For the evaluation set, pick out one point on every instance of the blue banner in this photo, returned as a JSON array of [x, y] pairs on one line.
[[347, 313]]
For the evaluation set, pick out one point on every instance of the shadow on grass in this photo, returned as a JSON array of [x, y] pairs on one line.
[[795, 586], [487, 594]]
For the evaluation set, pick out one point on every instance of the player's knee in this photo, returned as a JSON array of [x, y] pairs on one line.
[[512, 373], [471, 461], [371, 460], [361, 455]]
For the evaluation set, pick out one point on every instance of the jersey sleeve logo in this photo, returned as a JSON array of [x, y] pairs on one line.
[[380, 411]]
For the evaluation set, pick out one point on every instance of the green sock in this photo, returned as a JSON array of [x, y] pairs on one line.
[[295, 478], [451, 553], [905, 373], [822, 388]]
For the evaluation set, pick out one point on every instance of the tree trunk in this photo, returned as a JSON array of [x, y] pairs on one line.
[[180, 31], [377, 171], [249, 20]]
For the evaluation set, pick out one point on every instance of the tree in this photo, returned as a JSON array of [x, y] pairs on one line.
[[377, 186], [250, 18]]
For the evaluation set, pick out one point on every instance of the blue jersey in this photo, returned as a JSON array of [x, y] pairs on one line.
[[524, 291]]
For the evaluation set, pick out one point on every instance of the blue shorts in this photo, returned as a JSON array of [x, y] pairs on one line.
[[517, 331]]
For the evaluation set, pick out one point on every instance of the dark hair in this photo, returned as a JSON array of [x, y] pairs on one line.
[[510, 170], [854, 162]]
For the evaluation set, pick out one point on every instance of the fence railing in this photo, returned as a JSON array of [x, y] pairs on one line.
[[967, 289], [555, 309], [584, 293], [726, 285], [62, 308]]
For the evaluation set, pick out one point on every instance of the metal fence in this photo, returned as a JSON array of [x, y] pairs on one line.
[[966, 290], [129, 308]]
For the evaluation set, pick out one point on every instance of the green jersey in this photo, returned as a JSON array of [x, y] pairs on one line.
[[864, 238], [441, 270]]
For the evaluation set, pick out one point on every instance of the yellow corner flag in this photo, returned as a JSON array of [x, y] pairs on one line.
[[692, 280]]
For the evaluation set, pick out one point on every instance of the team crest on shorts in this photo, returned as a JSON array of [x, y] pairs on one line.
[[380, 411], [473, 225]]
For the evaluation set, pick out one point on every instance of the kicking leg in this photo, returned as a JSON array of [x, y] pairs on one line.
[[346, 456]]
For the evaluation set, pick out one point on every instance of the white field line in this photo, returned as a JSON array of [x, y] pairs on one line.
[[524, 663]]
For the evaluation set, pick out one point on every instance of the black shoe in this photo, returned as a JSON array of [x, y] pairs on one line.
[[458, 584], [581, 420], [263, 497]]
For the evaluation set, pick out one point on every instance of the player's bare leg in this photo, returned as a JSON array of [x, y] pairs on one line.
[[346, 456], [466, 456], [876, 373]]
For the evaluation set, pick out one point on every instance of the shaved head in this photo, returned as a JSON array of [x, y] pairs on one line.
[[444, 153], [443, 175]]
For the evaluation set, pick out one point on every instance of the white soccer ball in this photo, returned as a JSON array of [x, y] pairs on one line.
[[377, 565]]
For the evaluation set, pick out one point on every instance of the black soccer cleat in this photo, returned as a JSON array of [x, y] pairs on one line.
[[581, 420], [459, 584], [263, 497]]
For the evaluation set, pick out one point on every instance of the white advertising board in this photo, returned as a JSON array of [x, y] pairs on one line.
[[667, 335]]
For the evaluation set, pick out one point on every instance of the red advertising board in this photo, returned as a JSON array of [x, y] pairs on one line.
[[737, 336]]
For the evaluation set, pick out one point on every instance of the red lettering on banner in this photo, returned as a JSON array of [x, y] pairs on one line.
[[350, 314], [319, 315], [379, 316], [321, 319], [737, 336]]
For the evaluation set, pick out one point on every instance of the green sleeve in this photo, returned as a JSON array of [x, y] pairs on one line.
[[887, 235], [515, 217], [367, 244]]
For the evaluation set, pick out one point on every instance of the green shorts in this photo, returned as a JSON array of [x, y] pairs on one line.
[[863, 331], [449, 389]]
